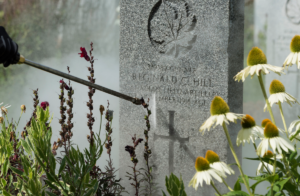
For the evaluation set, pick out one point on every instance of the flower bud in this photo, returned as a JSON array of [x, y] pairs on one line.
[[248, 122], [271, 130], [212, 157], [276, 87], [23, 108], [201, 164], [268, 154], [295, 44], [256, 56], [218, 106], [101, 109], [264, 122], [1, 119]]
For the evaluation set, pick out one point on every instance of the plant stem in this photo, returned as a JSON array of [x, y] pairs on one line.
[[229, 188], [283, 120], [266, 98], [212, 184], [274, 172], [235, 157], [267, 169]]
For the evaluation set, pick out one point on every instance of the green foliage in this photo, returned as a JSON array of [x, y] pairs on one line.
[[38, 163], [175, 186]]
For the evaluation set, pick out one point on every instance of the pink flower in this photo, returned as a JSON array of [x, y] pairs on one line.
[[84, 54], [44, 105], [66, 86]]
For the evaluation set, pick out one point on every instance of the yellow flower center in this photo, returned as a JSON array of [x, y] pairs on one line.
[[201, 164], [212, 157], [276, 87], [256, 56], [271, 130], [248, 122], [295, 44], [264, 122], [218, 106], [268, 154]]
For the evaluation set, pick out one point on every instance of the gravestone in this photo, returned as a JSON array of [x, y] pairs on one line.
[[283, 23], [179, 54]]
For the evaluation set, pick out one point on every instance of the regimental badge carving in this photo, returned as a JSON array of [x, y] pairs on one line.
[[171, 27], [292, 11]]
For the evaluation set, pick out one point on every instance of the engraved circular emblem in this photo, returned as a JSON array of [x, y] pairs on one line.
[[292, 11], [171, 27]]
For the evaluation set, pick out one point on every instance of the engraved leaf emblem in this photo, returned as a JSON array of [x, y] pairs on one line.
[[172, 28]]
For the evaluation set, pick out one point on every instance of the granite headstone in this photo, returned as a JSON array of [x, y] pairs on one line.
[[179, 54]]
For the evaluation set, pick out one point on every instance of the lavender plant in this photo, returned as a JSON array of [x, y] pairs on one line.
[[134, 176], [150, 187]]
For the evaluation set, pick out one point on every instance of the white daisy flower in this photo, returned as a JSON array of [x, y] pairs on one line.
[[214, 162], [261, 167], [295, 124], [278, 94], [272, 139], [204, 173], [257, 63], [249, 131], [219, 113], [3, 109], [294, 56]]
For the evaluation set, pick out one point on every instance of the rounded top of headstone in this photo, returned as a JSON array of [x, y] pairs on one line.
[[248, 121], [212, 157], [256, 56], [271, 130], [201, 164], [218, 106], [295, 44], [276, 87]]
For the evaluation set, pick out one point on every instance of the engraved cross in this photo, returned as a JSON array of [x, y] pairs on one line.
[[174, 136]]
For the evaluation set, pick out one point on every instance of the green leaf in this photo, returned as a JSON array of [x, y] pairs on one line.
[[273, 178], [164, 194], [89, 193], [174, 190], [6, 165], [237, 186], [17, 171], [269, 178], [49, 183], [293, 155], [280, 184], [50, 194], [50, 177], [6, 193], [62, 165], [269, 161], [3, 182], [175, 179], [242, 180], [26, 147], [237, 193]]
